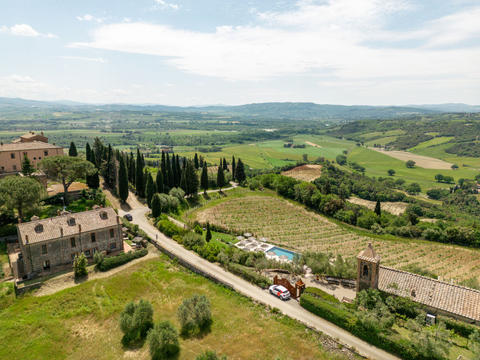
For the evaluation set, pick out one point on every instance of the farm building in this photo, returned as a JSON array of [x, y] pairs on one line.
[[438, 296], [49, 245]]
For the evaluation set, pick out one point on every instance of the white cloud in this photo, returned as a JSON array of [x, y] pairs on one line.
[[83, 58], [24, 30], [88, 17], [162, 4]]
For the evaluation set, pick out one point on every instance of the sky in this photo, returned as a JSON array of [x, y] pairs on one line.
[[206, 52]]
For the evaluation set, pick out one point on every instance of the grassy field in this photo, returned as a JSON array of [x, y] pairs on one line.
[[82, 322], [292, 226]]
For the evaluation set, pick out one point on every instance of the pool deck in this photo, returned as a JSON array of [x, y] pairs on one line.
[[254, 245]]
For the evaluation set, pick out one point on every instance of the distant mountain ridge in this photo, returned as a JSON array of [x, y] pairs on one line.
[[268, 110]]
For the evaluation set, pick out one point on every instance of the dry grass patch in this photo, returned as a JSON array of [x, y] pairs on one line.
[[304, 172], [294, 227], [395, 208], [425, 162]]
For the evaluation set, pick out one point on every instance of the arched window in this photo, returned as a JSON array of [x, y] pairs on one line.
[[365, 270], [39, 228]]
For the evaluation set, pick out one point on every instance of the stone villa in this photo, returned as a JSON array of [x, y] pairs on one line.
[[35, 146], [51, 244], [439, 297]]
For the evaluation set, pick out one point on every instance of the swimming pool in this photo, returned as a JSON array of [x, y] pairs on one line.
[[279, 251]]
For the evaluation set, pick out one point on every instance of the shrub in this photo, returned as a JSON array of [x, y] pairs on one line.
[[114, 261], [169, 228], [80, 266], [98, 257], [249, 275], [341, 159], [410, 164], [163, 341], [193, 241], [198, 229], [177, 193], [194, 314], [210, 355], [135, 321], [210, 250]]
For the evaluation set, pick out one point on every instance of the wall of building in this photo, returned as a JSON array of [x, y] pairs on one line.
[[60, 251], [9, 165]]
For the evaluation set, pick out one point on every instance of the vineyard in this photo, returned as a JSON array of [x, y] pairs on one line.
[[296, 228], [304, 172]]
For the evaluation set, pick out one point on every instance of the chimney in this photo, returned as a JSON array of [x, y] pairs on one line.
[[118, 219], [61, 231], [79, 227], [26, 239], [41, 133], [58, 212]]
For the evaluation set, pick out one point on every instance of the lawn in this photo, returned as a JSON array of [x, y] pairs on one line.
[[82, 322], [294, 227]]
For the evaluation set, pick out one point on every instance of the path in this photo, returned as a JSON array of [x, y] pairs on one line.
[[312, 144], [289, 308]]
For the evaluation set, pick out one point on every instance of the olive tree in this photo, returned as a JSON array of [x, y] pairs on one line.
[[194, 314], [163, 341], [20, 193]]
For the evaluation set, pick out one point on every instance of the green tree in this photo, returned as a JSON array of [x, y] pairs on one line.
[[163, 341], [305, 157], [341, 159], [240, 171], [191, 179], [27, 167], [210, 355], [139, 182], [80, 266], [220, 178], [391, 172], [194, 314], [20, 193], [150, 189], [233, 168], [410, 164], [159, 181], [123, 181], [93, 180], [135, 321], [378, 209], [208, 235], [72, 151], [156, 205], [66, 170], [204, 178], [195, 161], [474, 344], [413, 189], [225, 165], [454, 167]]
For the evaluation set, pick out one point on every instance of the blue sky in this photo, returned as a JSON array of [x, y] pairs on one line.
[[193, 52]]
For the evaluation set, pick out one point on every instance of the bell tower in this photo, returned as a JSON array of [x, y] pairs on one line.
[[368, 264]]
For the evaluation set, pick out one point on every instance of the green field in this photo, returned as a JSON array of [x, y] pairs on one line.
[[82, 322]]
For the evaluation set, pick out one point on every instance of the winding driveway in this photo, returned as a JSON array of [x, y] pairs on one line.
[[290, 308]]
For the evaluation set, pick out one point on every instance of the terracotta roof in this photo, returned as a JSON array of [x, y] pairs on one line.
[[88, 221], [437, 294], [369, 254], [34, 145]]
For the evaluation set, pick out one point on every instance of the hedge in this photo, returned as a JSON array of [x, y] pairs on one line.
[[169, 228], [339, 315], [460, 327], [249, 275], [114, 261]]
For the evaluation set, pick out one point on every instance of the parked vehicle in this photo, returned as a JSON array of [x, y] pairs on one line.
[[128, 217], [279, 291]]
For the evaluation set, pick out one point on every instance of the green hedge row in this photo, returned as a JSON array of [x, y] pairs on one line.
[[114, 261], [460, 327], [249, 275], [169, 228], [320, 293], [339, 315]]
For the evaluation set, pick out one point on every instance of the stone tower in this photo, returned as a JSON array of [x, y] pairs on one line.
[[368, 264]]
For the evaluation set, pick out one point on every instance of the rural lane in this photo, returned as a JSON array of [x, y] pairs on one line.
[[290, 308]]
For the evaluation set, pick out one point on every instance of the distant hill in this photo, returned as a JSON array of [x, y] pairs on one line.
[[270, 110]]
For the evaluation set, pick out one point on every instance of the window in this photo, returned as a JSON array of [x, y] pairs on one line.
[[365, 270], [44, 249], [46, 265], [71, 221], [12, 156], [72, 242], [92, 237], [112, 233], [39, 158], [73, 256], [113, 246], [87, 253], [45, 153], [34, 158], [39, 228], [104, 215], [14, 167]]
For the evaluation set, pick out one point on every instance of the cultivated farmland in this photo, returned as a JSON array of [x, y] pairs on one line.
[[304, 172], [425, 162], [395, 208], [294, 227]]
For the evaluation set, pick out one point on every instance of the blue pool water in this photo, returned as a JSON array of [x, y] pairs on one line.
[[280, 251]]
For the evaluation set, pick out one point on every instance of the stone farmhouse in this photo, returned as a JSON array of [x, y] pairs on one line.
[[35, 146], [50, 245], [438, 297]]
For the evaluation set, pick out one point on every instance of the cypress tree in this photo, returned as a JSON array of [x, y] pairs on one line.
[[225, 165], [201, 162], [176, 179], [171, 176], [195, 161], [159, 181], [73, 150], [139, 175], [163, 166], [150, 189], [131, 168], [110, 171], [378, 209], [191, 178], [123, 181], [88, 153], [27, 167], [156, 206], [233, 168], [204, 178], [220, 178], [208, 235], [240, 171]]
